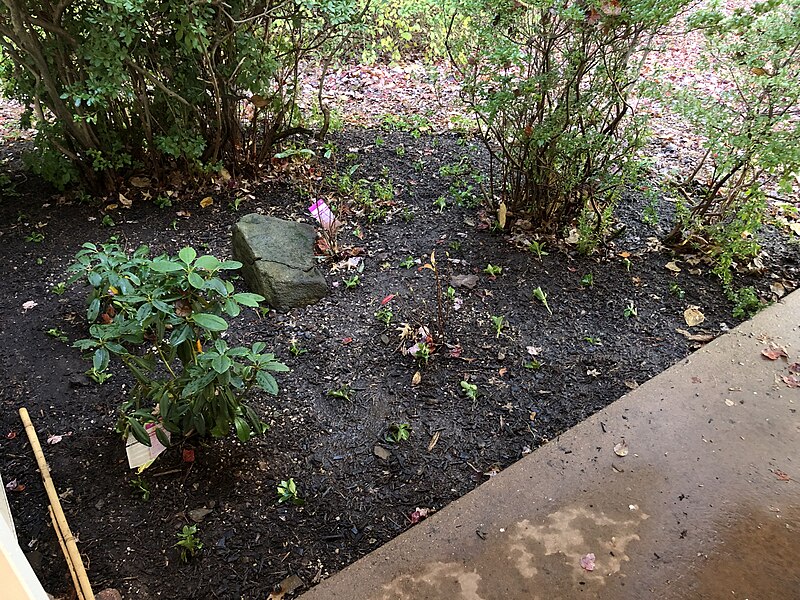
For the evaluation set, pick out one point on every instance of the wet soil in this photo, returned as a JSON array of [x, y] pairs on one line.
[[539, 375]]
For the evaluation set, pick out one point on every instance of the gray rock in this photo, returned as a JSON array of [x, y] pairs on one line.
[[278, 259]]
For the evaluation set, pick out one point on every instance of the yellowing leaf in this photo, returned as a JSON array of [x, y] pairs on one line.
[[124, 201], [502, 211], [415, 380], [206, 202], [140, 182], [693, 316]]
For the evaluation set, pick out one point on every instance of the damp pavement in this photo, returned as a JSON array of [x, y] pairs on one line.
[[705, 505]]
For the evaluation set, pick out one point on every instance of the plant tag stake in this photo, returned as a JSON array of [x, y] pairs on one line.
[[140, 456], [322, 213]]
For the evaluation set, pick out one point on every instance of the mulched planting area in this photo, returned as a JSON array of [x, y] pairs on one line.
[[541, 374]]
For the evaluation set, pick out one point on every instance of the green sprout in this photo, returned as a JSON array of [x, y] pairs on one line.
[[493, 270], [538, 249], [541, 296], [398, 432], [188, 542], [470, 390], [287, 492], [498, 322]]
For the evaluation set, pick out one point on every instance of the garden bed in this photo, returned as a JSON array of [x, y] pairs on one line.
[[541, 374]]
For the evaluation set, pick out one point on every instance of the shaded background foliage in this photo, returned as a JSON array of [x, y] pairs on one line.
[[122, 85]]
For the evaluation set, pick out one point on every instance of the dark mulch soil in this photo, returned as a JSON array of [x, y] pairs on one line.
[[355, 500]]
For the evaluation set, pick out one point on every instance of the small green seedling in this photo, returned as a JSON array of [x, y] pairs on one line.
[[400, 150], [352, 282], [408, 263], [455, 245], [287, 492], [295, 349], [141, 488], [627, 262], [422, 353], [188, 542], [419, 165], [587, 280], [58, 334], [398, 432], [107, 221], [538, 249], [440, 203], [344, 393], [470, 390], [384, 314], [533, 364], [59, 288], [593, 341], [36, 237], [541, 296], [493, 270], [676, 291], [162, 202], [630, 310], [498, 322]]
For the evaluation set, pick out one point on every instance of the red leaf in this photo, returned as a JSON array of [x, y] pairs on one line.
[[188, 455], [587, 561], [781, 475], [774, 353], [386, 300], [347, 340], [794, 367], [792, 381], [11, 435]]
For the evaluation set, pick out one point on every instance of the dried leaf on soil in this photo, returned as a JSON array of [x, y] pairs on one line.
[[621, 449], [703, 338], [434, 441], [693, 316], [672, 266], [419, 514], [415, 380], [587, 562], [206, 202], [26, 306], [287, 586], [778, 473], [54, 439]]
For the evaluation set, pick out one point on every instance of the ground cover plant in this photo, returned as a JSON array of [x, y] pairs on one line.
[[450, 345]]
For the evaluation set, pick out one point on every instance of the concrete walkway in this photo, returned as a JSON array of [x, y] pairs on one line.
[[706, 504]]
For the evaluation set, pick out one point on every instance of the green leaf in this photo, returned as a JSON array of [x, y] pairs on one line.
[[165, 266], [162, 437], [221, 363], [267, 382], [206, 262], [231, 308], [197, 384], [248, 299], [242, 429], [217, 285], [210, 322], [139, 432], [95, 279], [179, 335], [230, 265], [187, 254], [93, 310], [100, 359], [196, 281]]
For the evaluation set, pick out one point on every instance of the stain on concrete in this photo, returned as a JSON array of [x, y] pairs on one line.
[[571, 533], [437, 580]]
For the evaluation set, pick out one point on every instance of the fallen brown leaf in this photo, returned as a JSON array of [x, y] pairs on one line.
[[696, 337], [792, 381], [434, 441]]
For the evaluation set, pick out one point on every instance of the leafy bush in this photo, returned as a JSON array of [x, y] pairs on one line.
[[751, 127], [392, 31], [163, 318], [139, 84], [549, 85]]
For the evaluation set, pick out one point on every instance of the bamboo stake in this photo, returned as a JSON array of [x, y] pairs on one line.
[[73, 555], [60, 537]]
